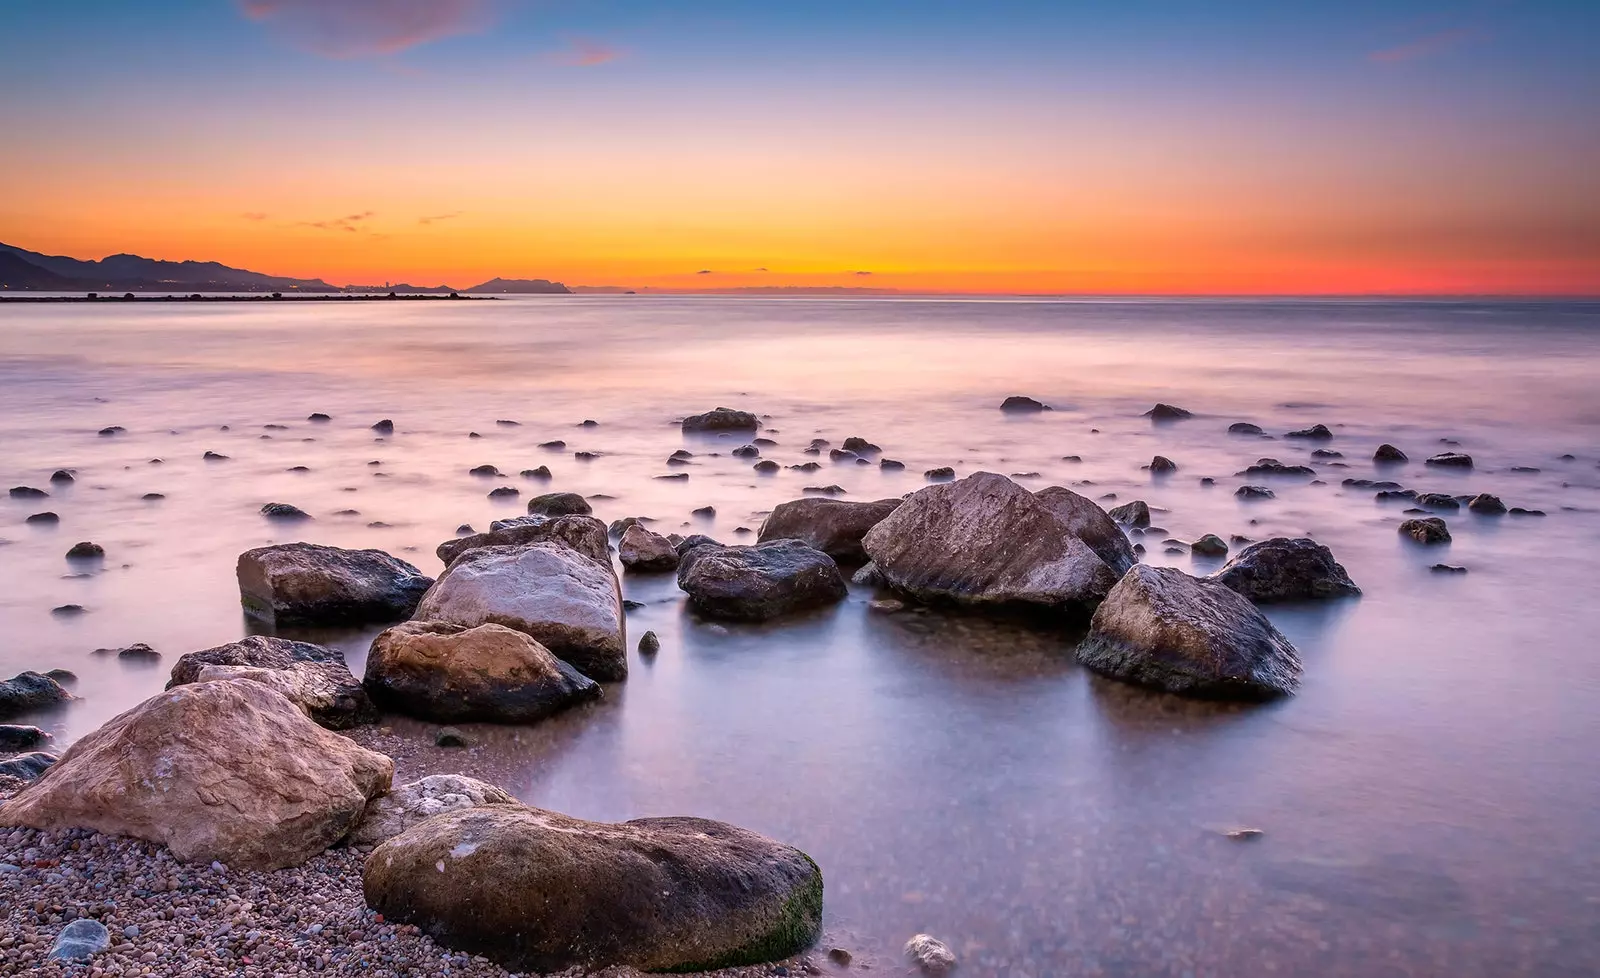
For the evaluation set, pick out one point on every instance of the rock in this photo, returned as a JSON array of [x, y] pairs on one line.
[[705, 512], [27, 767], [986, 541], [586, 456], [27, 492], [1284, 569], [80, 940], [649, 644], [539, 472], [307, 583], [722, 419], [825, 490], [535, 891], [840, 455], [1519, 511], [284, 511], [1388, 453], [1018, 404], [1160, 627], [567, 600], [929, 955], [692, 541], [1427, 530], [110, 430], [1091, 524], [504, 492], [1167, 412], [1136, 513], [839, 956], [211, 456], [559, 504], [18, 737], [759, 582], [138, 651], [86, 551], [229, 771], [644, 551], [943, 473], [1317, 432], [1451, 460], [1486, 504], [553, 446], [1254, 492], [860, 445], [437, 671], [1447, 569], [389, 815], [1438, 500], [317, 417], [314, 678], [832, 526], [767, 467], [1388, 495], [68, 610], [582, 533], [887, 606], [1326, 453], [450, 737], [1271, 466], [1244, 428], [38, 519], [384, 427], [485, 471], [807, 467], [746, 451], [61, 476], [1161, 465], [29, 691], [867, 575], [1209, 545]]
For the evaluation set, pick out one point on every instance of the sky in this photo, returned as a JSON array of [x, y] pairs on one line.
[[1013, 146]]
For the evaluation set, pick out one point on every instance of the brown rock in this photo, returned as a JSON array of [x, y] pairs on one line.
[[832, 526], [308, 583], [314, 678]]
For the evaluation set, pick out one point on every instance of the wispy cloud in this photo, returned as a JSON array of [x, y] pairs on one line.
[[350, 222], [1428, 46], [436, 218], [361, 28], [582, 52], [860, 273], [704, 271]]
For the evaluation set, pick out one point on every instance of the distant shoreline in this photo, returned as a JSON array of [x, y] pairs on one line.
[[202, 297]]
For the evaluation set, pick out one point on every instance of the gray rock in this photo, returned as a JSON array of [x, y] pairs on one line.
[[29, 691], [1161, 464], [832, 526], [518, 884], [644, 551], [27, 767], [559, 504], [1244, 428], [929, 955], [1285, 569], [314, 678], [1388, 453], [1485, 504], [943, 473], [1254, 492], [1209, 545], [582, 533], [1317, 432], [307, 583], [760, 582], [867, 575], [722, 419], [986, 541], [1018, 404], [1093, 525], [1160, 627], [1136, 513], [284, 512], [389, 815], [1167, 412], [19, 737], [80, 940], [1451, 460]]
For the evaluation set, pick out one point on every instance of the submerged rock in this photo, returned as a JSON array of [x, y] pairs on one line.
[[986, 541], [642, 550], [389, 815], [536, 891], [449, 673], [1427, 530], [929, 956], [943, 473], [29, 691], [86, 550], [559, 504], [1271, 466], [1486, 504], [1317, 432], [722, 419], [1285, 569], [1167, 412], [1019, 404], [1135, 513], [18, 737], [832, 526], [1451, 460], [1209, 545], [1244, 428], [307, 583], [1438, 500], [1388, 453], [314, 678], [284, 512], [1254, 492], [1160, 627], [759, 582], [1161, 464], [569, 601], [228, 771]]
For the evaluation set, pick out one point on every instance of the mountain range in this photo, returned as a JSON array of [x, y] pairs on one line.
[[23, 270]]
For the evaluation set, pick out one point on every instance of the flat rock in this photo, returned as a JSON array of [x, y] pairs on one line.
[[389, 815], [986, 541], [832, 526], [1159, 627], [759, 582], [567, 600], [447, 673], [307, 583], [229, 771], [535, 891], [722, 419], [313, 677], [1286, 569]]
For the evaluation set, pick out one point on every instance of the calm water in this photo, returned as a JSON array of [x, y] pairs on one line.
[[1429, 800]]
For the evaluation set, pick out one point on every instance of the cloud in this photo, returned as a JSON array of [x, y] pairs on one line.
[[758, 269], [580, 52], [254, 216], [704, 271], [350, 222], [860, 273], [361, 28], [436, 218], [1427, 46]]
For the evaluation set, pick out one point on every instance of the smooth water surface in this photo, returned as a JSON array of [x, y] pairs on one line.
[[1429, 800]]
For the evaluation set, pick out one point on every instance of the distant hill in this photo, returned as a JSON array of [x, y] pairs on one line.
[[520, 286], [132, 273]]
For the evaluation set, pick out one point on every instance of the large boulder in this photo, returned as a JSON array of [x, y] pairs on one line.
[[1160, 627], [640, 549], [584, 534], [389, 815], [832, 526], [986, 541], [307, 583], [565, 599], [313, 677], [722, 419], [29, 691], [1093, 525], [449, 673], [760, 582], [1284, 569], [535, 891], [228, 771]]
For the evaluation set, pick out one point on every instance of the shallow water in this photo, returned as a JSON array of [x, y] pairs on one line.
[[1428, 800]]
